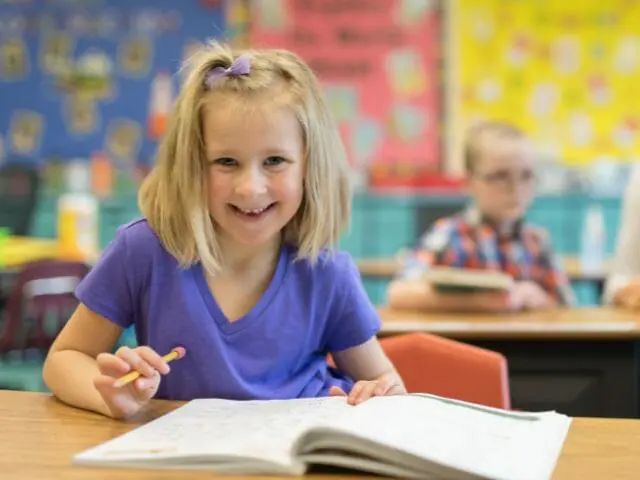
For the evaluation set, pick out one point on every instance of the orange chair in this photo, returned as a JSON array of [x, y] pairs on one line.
[[448, 368]]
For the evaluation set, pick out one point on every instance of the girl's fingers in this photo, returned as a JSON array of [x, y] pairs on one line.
[[145, 383], [153, 358], [145, 387], [113, 366], [365, 393], [355, 392], [382, 386], [135, 360], [396, 390], [337, 392], [104, 381]]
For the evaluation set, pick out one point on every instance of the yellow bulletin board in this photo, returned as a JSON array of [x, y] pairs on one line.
[[566, 72]]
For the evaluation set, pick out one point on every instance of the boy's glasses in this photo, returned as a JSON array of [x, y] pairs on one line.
[[505, 179]]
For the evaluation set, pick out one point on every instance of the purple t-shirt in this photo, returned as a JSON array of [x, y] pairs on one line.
[[276, 351]]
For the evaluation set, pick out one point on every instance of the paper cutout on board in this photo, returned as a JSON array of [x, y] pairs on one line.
[[123, 139], [406, 73], [566, 54], [135, 56], [627, 55], [488, 90], [56, 51], [81, 114], [160, 103], [25, 132], [14, 59], [408, 123], [101, 175], [238, 22], [544, 99], [624, 136], [342, 101], [366, 138], [599, 90], [519, 50], [91, 75], [369, 61], [570, 61], [271, 14], [412, 12], [581, 129]]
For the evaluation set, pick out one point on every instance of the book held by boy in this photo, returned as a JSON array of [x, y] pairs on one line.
[[408, 436], [464, 279]]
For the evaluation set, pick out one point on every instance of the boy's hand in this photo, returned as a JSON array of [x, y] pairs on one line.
[[529, 295], [629, 296], [364, 389], [126, 401]]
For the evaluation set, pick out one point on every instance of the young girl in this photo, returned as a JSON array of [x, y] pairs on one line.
[[232, 258]]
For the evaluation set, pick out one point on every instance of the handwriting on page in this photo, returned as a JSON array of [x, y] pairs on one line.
[[260, 429], [498, 445]]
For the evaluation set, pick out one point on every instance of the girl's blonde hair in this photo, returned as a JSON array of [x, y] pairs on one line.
[[173, 196]]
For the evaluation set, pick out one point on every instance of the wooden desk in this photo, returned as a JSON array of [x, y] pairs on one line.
[[387, 268], [582, 362], [40, 435], [562, 324]]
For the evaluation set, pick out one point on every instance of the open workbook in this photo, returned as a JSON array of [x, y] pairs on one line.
[[410, 436]]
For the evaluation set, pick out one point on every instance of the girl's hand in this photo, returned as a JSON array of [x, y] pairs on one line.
[[123, 402], [363, 390]]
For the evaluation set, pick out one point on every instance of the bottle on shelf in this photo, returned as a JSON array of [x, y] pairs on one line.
[[78, 212]]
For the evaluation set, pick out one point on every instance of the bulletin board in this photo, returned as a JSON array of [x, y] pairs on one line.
[[564, 72], [80, 76], [378, 63]]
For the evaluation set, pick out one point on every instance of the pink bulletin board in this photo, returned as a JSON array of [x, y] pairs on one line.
[[378, 63]]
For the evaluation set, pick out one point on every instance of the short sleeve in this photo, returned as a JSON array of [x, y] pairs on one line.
[[107, 289], [354, 319], [432, 246], [554, 280]]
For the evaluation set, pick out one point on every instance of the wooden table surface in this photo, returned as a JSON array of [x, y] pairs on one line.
[[40, 435], [387, 268], [577, 323]]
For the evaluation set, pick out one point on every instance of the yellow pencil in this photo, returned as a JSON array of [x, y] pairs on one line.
[[175, 354]]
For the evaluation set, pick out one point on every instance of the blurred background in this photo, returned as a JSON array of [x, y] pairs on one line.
[[86, 87]]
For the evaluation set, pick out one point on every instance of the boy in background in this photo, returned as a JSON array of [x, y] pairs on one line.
[[490, 234]]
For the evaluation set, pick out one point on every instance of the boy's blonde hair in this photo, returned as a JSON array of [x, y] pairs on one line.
[[173, 198], [479, 133]]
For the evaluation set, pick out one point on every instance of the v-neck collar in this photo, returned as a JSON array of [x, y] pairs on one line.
[[226, 326]]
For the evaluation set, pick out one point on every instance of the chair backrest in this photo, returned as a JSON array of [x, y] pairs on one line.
[[40, 303], [448, 368], [18, 195]]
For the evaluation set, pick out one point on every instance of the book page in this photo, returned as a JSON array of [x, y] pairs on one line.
[[486, 442], [263, 430]]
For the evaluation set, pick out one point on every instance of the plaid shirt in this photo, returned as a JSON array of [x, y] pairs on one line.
[[465, 241]]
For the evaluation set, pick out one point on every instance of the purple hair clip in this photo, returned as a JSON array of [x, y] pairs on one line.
[[240, 67]]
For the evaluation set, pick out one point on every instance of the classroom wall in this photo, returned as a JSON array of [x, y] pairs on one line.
[[382, 225], [407, 60]]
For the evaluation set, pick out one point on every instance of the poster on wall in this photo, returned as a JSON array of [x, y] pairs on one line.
[[565, 74], [378, 65], [86, 78]]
